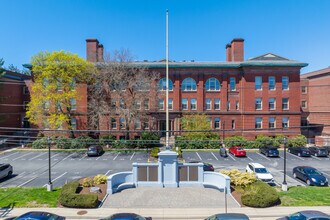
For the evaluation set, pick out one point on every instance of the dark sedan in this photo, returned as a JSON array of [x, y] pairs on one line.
[[307, 215], [228, 216], [269, 151], [206, 166], [39, 216], [95, 150], [125, 216], [318, 151], [327, 148], [300, 151], [310, 175]]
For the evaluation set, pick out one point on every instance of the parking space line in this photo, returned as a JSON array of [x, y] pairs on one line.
[[56, 178], [295, 156], [107, 172], [263, 156], [68, 156], [214, 156], [37, 156], [116, 156], [231, 156], [9, 155], [132, 156], [22, 156], [83, 157], [27, 181], [315, 157], [98, 157], [199, 156], [55, 155], [249, 157]]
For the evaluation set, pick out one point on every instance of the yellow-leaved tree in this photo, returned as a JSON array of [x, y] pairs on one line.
[[54, 93]]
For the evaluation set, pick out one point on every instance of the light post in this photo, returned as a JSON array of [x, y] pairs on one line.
[[284, 184], [50, 184], [223, 134]]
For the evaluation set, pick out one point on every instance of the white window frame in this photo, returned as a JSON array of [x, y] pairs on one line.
[[232, 84], [257, 104], [228, 105], [271, 80], [146, 104], [146, 125], [304, 89], [193, 104], [138, 104], [208, 104], [113, 124], [122, 123], [217, 102], [73, 104], [137, 124], [161, 104], [189, 84], [212, 84], [285, 121], [170, 104], [270, 121], [237, 105], [184, 103], [217, 124], [304, 104], [74, 123], [285, 81], [162, 85], [287, 104], [257, 122], [233, 124], [269, 103], [258, 83]]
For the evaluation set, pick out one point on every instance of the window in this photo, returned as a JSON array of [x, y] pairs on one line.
[[137, 124], [146, 104], [258, 104], [208, 104], [122, 104], [285, 83], [170, 104], [210, 121], [212, 84], [113, 123], [232, 81], [304, 104], [25, 90], [74, 123], [73, 104], [285, 122], [271, 104], [161, 104], [184, 104], [271, 123], [232, 124], [236, 105], [258, 83], [189, 84], [193, 104], [146, 125], [285, 103], [271, 83], [162, 85], [258, 123], [137, 104], [304, 89], [122, 123], [216, 104], [217, 123], [228, 105]]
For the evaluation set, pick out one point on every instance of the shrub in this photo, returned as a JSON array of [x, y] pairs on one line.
[[260, 195], [154, 152], [40, 143], [81, 142], [179, 151], [236, 141], [69, 197], [87, 182], [212, 141], [149, 140], [63, 142], [298, 141], [123, 144], [100, 179], [238, 178], [262, 140], [107, 140]]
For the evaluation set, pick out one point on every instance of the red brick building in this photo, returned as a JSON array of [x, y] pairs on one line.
[[315, 105], [260, 95]]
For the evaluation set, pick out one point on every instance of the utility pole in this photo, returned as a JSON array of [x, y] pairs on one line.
[[284, 184], [167, 113], [50, 184]]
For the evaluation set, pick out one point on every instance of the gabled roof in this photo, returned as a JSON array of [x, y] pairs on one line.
[[269, 56]]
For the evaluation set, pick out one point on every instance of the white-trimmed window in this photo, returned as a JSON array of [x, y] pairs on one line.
[[122, 104], [258, 83], [233, 124], [170, 104], [73, 104], [285, 122], [285, 83], [113, 123], [304, 104], [212, 84], [258, 104], [232, 83], [162, 84], [271, 83], [304, 89], [137, 104], [193, 104], [217, 123], [137, 124], [184, 104], [271, 103], [146, 104], [271, 123], [146, 125], [258, 123], [208, 104], [161, 104], [216, 104], [237, 105], [122, 123], [189, 84], [74, 123], [285, 103], [228, 105]]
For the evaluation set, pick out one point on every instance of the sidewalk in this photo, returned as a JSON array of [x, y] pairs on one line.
[[173, 213]]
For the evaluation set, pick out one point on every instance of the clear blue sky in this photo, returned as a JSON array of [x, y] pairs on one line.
[[199, 30]]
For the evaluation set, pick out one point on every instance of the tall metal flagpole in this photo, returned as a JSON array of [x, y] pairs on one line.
[[167, 113]]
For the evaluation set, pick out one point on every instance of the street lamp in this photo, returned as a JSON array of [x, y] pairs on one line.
[[50, 184], [284, 184]]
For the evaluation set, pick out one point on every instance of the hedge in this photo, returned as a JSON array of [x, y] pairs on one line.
[[197, 143], [260, 195], [69, 197]]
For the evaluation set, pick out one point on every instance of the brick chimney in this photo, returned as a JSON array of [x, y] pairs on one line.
[[92, 47], [228, 52], [237, 49], [100, 53]]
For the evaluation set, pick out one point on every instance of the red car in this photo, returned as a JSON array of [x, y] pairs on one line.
[[237, 151]]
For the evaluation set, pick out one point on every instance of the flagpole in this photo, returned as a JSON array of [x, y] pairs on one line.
[[167, 113]]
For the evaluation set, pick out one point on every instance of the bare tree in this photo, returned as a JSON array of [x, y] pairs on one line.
[[121, 90]]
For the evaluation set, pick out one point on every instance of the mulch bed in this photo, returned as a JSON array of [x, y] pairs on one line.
[[86, 190]]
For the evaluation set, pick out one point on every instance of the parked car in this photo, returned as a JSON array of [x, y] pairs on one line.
[[223, 152], [318, 151], [310, 175], [300, 151], [228, 216], [6, 170], [269, 151], [39, 216], [328, 149], [307, 215], [237, 151], [261, 172], [95, 150], [206, 166], [125, 216]]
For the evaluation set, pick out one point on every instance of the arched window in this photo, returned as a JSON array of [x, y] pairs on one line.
[[189, 84], [212, 84], [162, 84]]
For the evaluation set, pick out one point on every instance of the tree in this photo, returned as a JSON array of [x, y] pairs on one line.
[[196, 122], [120, 89], [54, 91], [2, 70]]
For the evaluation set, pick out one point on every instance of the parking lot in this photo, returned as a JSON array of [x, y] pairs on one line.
[[31, 168]]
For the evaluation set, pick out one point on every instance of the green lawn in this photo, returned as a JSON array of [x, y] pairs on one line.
[[306, 196], [28, 197]]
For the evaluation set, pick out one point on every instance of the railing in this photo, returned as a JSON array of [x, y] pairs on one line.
[[120, 181]]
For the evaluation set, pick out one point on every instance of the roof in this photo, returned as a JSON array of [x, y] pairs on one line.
[[317, 73], [15, 76], [313, 213], [257, 165]]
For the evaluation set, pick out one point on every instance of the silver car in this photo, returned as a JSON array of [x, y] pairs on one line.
[[307, 215], [5, 170]]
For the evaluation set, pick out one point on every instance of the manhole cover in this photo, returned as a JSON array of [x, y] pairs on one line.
[[83, 212]]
